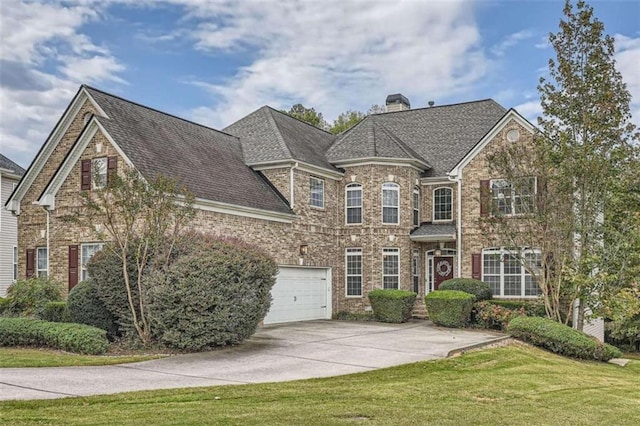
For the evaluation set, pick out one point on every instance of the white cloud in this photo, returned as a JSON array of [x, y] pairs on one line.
[[509, 41], [628, 63], [330, 55], [43, 59], [530, 110]]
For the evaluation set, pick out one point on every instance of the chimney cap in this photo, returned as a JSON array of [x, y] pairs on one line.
[[397, 98]]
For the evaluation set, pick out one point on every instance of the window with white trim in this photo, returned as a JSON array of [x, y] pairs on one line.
[[391, 268], [87, 251], [15, 263], [513, 198], [316, 192], [416, 206], [442, 204], [353, 271], [353, 203], [42, 262], [390, 203], [415, 270], [99, 172], [509, 272]]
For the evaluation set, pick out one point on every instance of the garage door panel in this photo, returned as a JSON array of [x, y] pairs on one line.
[[299, 294]]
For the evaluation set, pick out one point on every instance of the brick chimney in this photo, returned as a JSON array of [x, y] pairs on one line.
[[397, 102]]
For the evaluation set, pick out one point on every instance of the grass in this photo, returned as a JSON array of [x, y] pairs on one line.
[[517, 385], [36, 357]]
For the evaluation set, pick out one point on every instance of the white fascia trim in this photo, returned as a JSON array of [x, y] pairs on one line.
[[13, 204], [510, 115], [305, 167], [235, 210], [48, 198], [403, 162], [432, 238], [9, 174], [440, 180]]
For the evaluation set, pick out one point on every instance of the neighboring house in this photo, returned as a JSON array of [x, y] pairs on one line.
[[393, 202], [10, 174]]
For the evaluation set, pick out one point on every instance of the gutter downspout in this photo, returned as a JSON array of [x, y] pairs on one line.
[[295, 166], [48, 255], [459, 223]]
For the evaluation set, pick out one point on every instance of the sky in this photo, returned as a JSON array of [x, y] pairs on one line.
[[213, 62]]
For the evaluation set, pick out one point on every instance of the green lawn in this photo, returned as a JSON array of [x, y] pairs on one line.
[[35, 357], [515, 385]]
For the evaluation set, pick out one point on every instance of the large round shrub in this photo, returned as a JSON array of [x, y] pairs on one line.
[[29, 297], [215, 293], [85, 307], [105, 269], [479, 289], [560, 338], [449, 308]]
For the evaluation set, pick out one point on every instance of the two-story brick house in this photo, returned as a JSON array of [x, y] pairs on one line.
[[393, 202]]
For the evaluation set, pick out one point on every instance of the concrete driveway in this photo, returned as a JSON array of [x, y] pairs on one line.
[[275, 353]]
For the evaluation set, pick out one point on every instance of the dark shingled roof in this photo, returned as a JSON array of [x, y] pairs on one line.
[[435, 230], [208, 162], [7, 164], [440, 135], [270, 135]]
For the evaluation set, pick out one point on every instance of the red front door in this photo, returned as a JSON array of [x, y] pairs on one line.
[[442, 270]]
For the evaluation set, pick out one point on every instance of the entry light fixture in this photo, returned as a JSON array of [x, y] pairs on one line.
[[304, 249]]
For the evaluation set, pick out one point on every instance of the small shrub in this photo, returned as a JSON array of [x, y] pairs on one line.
[[56, 312], [86, 307], [479, 289], [393, 306], [493, 316], [29, 297], [533, 308], [65, 336], [214, 293], [449, 308], [560, 339]]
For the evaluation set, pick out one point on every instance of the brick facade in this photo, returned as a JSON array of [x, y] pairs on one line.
[[323, 230]]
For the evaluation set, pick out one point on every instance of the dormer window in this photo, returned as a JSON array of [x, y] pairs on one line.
[[390, 203], [442, 204]]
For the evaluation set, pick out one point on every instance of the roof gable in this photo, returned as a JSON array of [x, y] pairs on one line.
[[268, 135], [208, 162], [440, 136]]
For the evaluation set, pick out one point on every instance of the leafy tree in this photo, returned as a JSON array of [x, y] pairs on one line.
[[346, 120], [585, 218], [140, 217], [308, 115]]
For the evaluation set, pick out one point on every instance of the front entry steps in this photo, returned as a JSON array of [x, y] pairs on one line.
[[419, 309]]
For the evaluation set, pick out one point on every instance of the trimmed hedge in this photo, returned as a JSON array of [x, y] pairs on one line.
[[479, 289], [56, 312], [530, 308], [86, 307], [65, 336], [29, 297], [449, 308], [393, 306], [560, 339]]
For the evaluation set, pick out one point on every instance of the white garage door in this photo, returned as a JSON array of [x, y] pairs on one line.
[[300, 294]]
